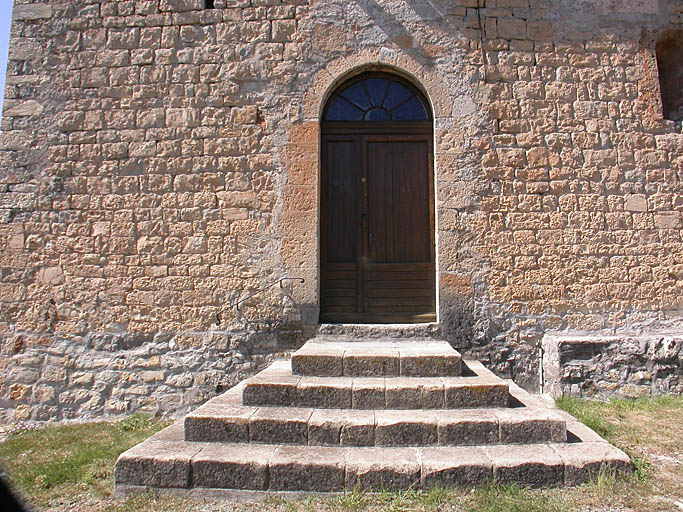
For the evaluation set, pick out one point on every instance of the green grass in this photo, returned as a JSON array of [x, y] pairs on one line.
[[40, 461], [647, 404], [353, 501], [630, 423], [588, 412]]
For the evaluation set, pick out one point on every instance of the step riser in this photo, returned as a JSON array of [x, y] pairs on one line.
[[364, 332], [376, 366], [319, 432], [345, 396]]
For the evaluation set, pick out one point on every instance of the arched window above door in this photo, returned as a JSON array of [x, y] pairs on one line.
[[377, 98]]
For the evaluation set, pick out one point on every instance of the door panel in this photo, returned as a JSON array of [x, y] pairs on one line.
[[342, 200], [381, 268], [339, 230], [399, 218]]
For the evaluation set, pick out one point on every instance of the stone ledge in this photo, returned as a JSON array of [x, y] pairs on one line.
[[613, 364]]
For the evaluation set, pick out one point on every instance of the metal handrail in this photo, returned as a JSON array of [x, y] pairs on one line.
[[236, 305]]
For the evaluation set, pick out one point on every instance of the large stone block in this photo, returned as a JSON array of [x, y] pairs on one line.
[[455, 467], [405, 428], [383, 468], [429, 360], [279, 425], [372, 360], [403, 393], [324, 392], [320, 359], [368, 393], [157, 464], [467, 427], [534, 465], [475, 394], [271, 390], [531, 425], [584, 461], [232, 466], [320, 469], [218, 424]]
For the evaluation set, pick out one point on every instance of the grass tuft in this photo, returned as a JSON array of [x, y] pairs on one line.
[[512, 498], [353, 501], [587, 412]]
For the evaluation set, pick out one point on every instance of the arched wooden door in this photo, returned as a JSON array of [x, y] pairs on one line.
[[377, 217]]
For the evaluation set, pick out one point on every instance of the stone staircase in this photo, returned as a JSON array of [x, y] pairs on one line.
[[395, 412]]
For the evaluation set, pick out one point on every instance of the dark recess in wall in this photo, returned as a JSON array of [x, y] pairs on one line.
[[670, 63]]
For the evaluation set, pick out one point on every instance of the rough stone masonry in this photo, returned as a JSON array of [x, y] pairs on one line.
[[160, 159]]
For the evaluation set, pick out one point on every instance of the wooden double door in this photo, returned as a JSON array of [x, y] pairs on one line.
[[377, 224]]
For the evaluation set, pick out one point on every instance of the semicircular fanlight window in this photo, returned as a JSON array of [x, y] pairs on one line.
[[377, 99]]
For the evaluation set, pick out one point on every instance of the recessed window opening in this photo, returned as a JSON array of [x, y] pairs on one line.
[[670, 63], [209, 4]]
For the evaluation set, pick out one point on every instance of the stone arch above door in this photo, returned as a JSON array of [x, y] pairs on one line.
[[326, 81]]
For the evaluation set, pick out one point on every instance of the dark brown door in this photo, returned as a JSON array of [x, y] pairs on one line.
[[377, 225]]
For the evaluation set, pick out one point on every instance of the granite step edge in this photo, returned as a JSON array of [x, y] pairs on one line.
[[352, 427], [166, 461]]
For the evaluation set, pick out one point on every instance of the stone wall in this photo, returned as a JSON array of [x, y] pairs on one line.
[[604, 366], [159, 160], [111, 374]]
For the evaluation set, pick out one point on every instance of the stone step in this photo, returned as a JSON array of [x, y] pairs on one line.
[[328, 356], [375, 393], [167, 461], [216, 422]]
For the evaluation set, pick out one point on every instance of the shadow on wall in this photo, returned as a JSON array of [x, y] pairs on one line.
[[395, 31], [469, 328]]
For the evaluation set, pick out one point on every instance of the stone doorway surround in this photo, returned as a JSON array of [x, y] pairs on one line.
[[299, 220]]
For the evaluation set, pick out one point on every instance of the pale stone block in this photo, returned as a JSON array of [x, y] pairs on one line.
[[27, 108], [31, 12], [636, 203], [51, 275]]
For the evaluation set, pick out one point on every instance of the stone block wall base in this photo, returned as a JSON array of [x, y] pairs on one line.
[[603, 366]]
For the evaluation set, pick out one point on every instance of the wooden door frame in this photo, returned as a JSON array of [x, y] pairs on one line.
[[359, 132]]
